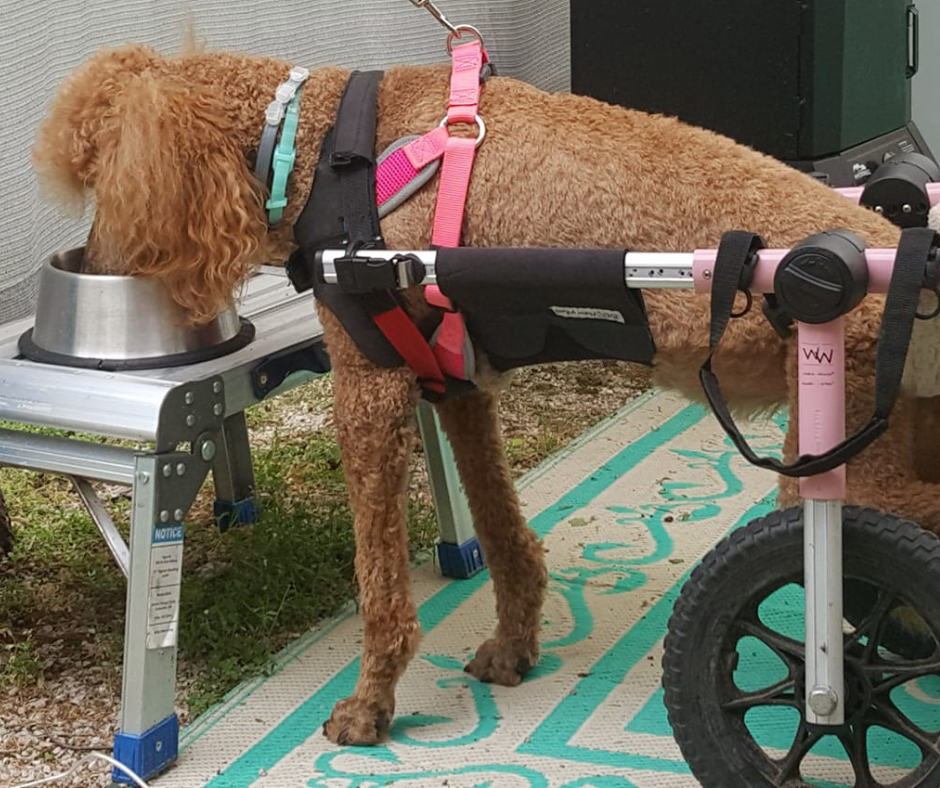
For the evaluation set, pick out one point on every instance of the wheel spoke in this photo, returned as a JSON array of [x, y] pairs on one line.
[[803, 742], [774, 695], [885, 714], [856, 747], [900, 673], [789, 650], [870, 626]]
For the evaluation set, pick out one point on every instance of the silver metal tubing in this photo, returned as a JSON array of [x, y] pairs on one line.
[[99, 514], [822, 578], [650, 270], [67, 456], [84, 400], [658, 270]]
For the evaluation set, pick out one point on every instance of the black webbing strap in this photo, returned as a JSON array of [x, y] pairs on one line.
[[914, 251], [341, 205], [352, 157]]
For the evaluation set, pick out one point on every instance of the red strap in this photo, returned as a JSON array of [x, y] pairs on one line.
[[411, 345]]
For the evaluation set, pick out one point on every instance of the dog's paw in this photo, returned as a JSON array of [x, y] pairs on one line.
[[502, 662], [357, 723]]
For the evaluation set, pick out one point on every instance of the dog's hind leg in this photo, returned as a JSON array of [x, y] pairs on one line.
[[375, 423], [512, 550], [884, 476]]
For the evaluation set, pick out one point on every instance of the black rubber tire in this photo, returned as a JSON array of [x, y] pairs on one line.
[[748, 565]]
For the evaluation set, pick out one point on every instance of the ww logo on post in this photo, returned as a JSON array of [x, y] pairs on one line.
[[822, 354]]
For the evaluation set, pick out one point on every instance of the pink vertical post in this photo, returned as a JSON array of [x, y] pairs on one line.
[[822, 403]]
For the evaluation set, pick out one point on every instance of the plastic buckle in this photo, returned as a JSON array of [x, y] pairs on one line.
[[357, 274], [361, 275], [299, 74]]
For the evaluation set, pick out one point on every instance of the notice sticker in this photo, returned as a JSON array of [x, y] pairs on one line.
[[166, 573]]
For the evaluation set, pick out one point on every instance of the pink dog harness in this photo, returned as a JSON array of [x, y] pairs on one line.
[[450, 344], [351, 191]]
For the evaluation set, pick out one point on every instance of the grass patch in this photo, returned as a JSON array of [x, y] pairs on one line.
[[19, 665]]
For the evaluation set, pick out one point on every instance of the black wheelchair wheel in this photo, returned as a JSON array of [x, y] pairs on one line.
[[733, 665]]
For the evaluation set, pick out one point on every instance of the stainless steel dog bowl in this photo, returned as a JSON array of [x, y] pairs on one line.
[[120, 322]]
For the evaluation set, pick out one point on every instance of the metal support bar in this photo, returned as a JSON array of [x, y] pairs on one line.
[[455, 523], [641, 269], [232, 471], [84, 400], [822, 570], [66, 456], [105, 524], [164, 489]]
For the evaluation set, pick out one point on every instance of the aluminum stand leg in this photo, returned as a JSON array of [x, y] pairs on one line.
[[458, 549], [164, 488], [233, 475]]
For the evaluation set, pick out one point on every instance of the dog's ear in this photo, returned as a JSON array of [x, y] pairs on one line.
[[175, 198], [65, 151]]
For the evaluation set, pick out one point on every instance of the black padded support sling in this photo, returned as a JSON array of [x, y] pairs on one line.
[[735, 255], [536, 305]]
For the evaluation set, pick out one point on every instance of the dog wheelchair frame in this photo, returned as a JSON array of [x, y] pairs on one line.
[[840, 679]]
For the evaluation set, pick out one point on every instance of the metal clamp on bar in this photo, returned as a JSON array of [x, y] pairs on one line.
[[358, 274]]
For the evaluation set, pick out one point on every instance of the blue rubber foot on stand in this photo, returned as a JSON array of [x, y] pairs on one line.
[[229, 514], [148, 753], [461, 560]]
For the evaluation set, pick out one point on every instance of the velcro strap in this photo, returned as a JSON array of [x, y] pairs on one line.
[[354, 132]]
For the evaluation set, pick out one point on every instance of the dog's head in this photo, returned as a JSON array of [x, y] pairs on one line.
[[174, 198]]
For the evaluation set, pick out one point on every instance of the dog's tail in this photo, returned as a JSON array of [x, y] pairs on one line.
[[175, 199]]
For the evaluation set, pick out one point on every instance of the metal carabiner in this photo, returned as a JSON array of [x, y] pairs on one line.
[[435, 12]]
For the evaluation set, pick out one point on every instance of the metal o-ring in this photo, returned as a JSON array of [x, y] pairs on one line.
[[457, 33], [476, 119]]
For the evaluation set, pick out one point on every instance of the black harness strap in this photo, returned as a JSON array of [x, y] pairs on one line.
[[352, 158], [914, 250], [341, 211]]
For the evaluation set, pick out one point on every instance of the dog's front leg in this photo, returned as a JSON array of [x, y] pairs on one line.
[[513, 552], [376, 428]]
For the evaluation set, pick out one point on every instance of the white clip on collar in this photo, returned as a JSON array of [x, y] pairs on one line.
[[274, 113]]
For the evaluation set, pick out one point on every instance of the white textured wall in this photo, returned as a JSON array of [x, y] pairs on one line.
[[926, 100], [42, 40]]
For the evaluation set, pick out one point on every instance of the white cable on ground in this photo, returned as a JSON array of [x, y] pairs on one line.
[[101, 756]]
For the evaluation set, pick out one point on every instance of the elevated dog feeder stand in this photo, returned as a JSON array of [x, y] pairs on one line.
[[191, 419]]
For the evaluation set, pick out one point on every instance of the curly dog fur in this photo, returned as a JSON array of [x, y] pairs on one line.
[[167, 146]]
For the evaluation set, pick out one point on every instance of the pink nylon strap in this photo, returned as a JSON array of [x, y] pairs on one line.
[[465, 86], [428, 148], [402, 166], [452, 191]]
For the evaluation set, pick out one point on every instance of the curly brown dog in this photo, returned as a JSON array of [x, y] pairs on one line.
[[167, 146]]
